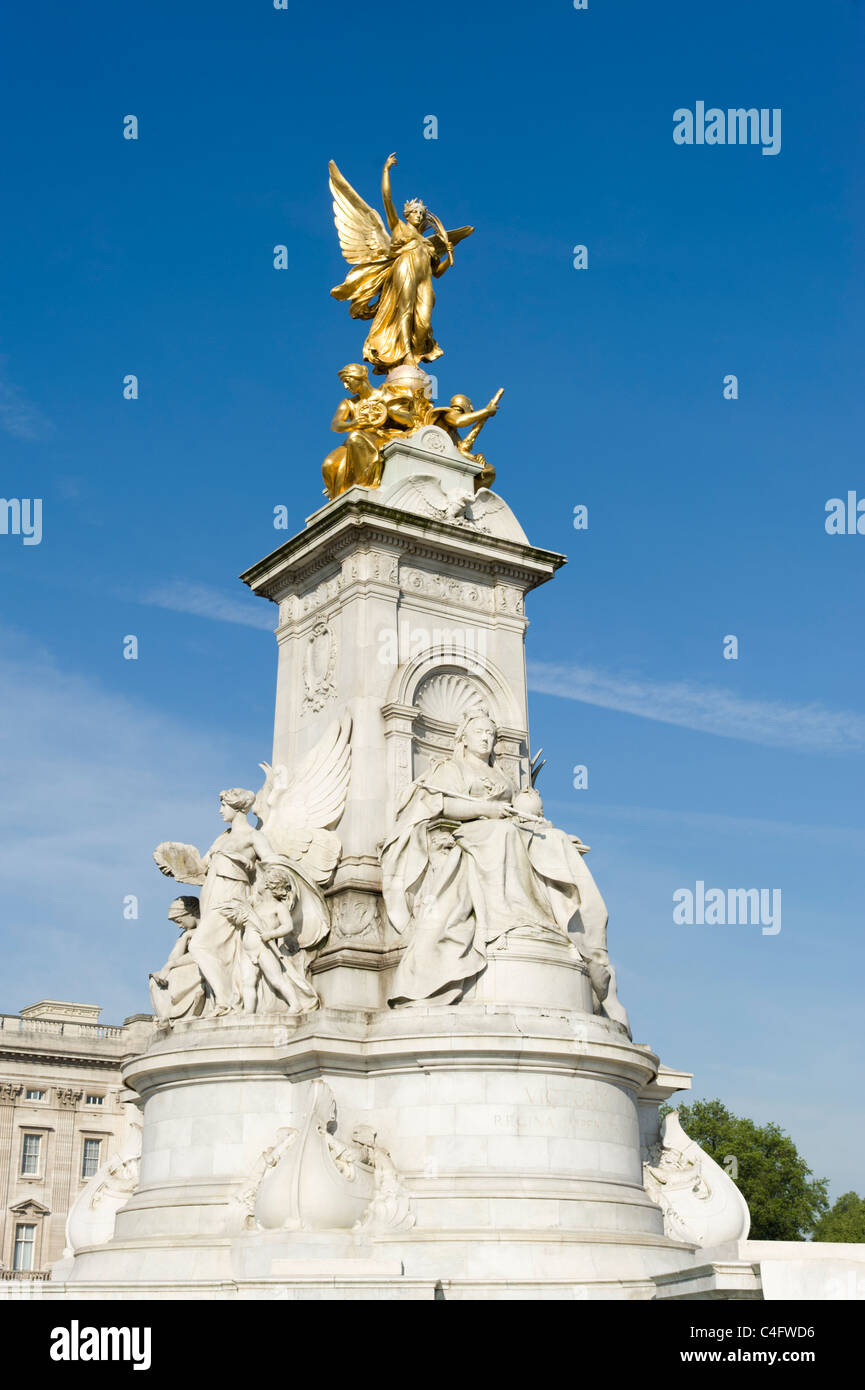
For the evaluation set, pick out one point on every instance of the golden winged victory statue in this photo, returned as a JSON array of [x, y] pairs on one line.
[[392, 271], [391, 282]]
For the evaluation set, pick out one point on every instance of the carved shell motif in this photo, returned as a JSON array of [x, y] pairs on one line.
[[448, 697]]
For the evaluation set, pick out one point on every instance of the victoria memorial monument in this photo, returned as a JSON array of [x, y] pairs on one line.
[[392, 1060]]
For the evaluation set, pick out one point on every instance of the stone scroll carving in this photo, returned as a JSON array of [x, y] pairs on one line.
[[297, 606], [701, 1203], [92, 1215], [355, 916], [319, 666], [245, 944], [446, 588], [311, 1178]]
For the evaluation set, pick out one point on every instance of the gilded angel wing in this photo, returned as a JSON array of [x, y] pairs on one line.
[[457, 235], [297, 811], [361, 232]]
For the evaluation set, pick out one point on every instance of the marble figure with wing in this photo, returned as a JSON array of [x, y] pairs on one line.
[[262, 906]]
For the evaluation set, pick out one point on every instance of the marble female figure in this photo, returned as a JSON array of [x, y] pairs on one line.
[[463, 867], [229, 867], [296, 809], [176, 990]]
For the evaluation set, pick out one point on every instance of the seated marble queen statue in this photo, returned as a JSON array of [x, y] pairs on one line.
[[468, 862]]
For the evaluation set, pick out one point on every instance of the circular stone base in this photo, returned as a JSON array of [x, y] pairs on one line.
[[544, 972], [513, 1133]]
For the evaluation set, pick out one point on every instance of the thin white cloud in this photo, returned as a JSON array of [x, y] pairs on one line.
[[704, 823], [18, 416], [92, 781], [203, 602], [708, 709]]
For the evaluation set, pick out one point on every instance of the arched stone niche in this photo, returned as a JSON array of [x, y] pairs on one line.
[[430, 696]]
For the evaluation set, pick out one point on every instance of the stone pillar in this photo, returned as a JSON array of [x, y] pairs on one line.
[[9, 1092], [61, 1178], [405, 612], [402, 616]]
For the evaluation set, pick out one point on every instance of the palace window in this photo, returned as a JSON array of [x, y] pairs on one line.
[[30, 1147], [94, 1100], [25, 1244], [90, 1157], [34, 1095]]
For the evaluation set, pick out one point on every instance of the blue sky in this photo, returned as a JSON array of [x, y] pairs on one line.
[[706, 516]]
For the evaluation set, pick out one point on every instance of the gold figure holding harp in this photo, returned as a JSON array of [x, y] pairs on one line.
[[368, 417], [392, 271]]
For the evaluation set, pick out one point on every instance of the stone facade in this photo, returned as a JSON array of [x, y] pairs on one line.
[[61, 1115], [404, 618]]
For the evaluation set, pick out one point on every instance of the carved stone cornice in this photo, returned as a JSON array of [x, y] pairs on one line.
[[64, 1059], [345, 527], [357, 957]]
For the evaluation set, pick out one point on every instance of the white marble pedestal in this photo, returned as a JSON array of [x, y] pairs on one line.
[[515, 1132]]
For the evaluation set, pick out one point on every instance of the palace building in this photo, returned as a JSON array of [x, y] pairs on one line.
[[61, 1117]]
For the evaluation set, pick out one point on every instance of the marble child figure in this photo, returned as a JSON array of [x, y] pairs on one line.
[[464, 866], [275, 936]]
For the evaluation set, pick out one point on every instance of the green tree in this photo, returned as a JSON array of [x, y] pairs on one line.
[[785, 1198], [846, 1220]]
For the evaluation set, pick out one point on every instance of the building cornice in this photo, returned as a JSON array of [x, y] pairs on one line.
[[67, 1059]]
